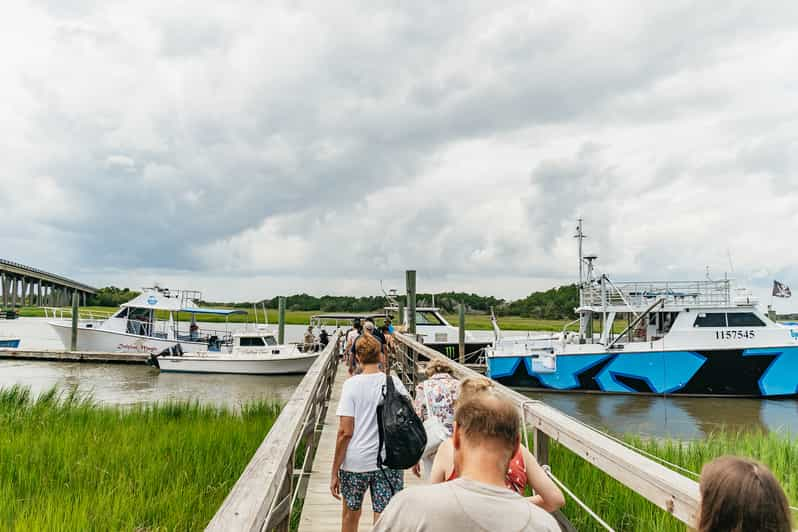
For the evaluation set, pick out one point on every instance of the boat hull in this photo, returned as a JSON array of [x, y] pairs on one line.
[[452, 350], [91, 339], [755, 372], [236, 365]]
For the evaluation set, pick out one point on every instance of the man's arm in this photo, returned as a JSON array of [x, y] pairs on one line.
[[346, 426]]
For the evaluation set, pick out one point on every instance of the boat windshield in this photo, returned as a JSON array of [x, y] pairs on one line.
[[427, 317]]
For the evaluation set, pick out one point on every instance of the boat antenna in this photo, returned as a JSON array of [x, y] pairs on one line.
[[580, 236], [731, 264]]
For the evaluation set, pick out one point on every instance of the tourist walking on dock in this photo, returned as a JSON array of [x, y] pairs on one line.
[[741, 494], [486, 436], [523, 470], [436, 397], [354, 468], [351, 336]]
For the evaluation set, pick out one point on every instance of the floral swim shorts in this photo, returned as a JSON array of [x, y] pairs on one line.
[[354, 485]]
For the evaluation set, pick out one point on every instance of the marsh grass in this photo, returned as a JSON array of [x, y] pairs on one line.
[[67, 463], [626, 511]]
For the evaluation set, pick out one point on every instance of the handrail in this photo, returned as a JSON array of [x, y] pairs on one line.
[[664, 487], [262, 497]]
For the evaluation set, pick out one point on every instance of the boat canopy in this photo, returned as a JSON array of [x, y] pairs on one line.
[[214, 311], [348, 316]]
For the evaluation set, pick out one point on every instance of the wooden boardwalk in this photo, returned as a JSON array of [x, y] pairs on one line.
[[321, 511]]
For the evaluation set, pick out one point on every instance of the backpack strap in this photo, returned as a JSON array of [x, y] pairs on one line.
[[381, 445]]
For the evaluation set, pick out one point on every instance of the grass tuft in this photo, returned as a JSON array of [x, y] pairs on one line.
[[67, 463]]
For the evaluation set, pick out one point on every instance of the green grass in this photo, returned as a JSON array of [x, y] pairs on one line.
[[624, 510], [302, 317], [69, 464]]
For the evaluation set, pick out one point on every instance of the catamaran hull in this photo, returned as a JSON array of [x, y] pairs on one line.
[[203, 364], [755, 372], [91, 339]]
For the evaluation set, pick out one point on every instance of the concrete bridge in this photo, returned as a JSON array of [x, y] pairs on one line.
[[26, 286]]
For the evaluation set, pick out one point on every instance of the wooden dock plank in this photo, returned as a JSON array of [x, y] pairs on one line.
[[321, 512], [74, 356]]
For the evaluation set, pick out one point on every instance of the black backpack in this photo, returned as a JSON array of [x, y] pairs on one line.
[[401, 432]]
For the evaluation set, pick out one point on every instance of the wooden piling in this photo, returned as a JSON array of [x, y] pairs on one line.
[[74, 343], [281, 320], [410, 282], [461, 331]]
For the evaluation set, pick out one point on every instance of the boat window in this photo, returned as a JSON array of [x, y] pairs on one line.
[[744, 319], [270, 340], [122, 313], [251, 341], [710, 319], [427, 317]]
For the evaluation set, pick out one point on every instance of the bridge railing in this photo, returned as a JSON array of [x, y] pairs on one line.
[[277, 475], [672, 492]]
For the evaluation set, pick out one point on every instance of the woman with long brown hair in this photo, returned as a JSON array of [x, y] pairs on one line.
[[738, 495]]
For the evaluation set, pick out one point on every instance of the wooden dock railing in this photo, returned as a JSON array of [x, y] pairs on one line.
[[264, 495], [674, 493]]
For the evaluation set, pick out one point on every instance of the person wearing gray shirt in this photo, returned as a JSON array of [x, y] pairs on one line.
[[486, 435]]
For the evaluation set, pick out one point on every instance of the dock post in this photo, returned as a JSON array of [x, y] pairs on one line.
[[281, 320], [410, 282], [541, 445], [461, 331], [74, 343]]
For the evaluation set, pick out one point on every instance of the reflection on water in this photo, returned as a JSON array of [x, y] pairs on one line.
[[676, 417], [130, 384], [649, 416]]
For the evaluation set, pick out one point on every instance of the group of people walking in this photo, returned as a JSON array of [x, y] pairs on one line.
[[481, 477]]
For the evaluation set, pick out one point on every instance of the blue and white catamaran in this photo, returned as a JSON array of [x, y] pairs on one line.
[[676, 338]]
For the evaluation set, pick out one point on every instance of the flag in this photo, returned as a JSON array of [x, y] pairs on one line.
[[781, 289]]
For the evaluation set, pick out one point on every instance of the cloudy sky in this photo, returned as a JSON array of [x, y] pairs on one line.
[[250, 149]]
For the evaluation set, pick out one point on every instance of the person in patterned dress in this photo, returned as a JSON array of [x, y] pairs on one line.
[[439, 391]]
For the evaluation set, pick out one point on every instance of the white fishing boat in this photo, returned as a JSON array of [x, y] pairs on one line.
[[149, 323], [252, 353], [675, 338]]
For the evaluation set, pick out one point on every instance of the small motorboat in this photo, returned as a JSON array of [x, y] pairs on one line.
[[252, 353]]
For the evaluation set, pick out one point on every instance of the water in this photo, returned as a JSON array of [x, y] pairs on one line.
[[130, 384], [679, 417]]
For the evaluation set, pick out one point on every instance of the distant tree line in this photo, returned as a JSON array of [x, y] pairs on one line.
[[556, 303], [111, 296]]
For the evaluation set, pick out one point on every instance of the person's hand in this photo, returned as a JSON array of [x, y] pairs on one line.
[[335, 486], [417, 470]]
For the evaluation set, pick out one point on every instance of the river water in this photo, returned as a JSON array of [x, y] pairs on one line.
[[686, 418]]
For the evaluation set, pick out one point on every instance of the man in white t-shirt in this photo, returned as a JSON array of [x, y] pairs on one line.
[[486, 435], [354, 468]]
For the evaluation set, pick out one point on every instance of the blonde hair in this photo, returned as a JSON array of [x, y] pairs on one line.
[[367, 349], [473, 386], [437, 366]]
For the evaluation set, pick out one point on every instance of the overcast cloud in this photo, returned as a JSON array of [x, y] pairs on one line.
[[250, 149]]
